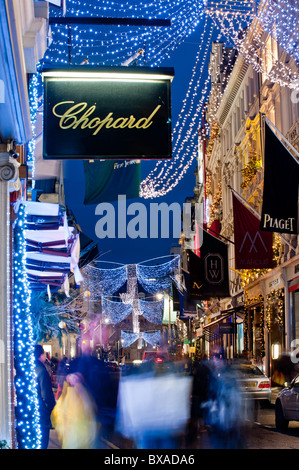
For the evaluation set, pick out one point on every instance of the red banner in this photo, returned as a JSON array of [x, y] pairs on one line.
[[253, 247]]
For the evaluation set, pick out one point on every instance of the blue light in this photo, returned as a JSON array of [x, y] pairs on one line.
[[27, 411]]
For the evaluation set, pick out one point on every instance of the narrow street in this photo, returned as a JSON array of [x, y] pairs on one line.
[[264, 435], [259, 434], [149, 228]]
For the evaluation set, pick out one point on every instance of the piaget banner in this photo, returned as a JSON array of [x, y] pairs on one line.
[[115, 113], [280, 196]]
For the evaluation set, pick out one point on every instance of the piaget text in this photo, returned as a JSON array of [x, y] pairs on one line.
[[77, 115]]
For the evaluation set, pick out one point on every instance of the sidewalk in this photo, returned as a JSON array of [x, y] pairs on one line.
[[55, 444]]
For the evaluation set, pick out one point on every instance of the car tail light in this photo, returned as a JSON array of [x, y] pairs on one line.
[[158, 359], [264, 384]]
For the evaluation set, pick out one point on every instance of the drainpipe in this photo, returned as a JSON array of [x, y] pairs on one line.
[[287, 310]]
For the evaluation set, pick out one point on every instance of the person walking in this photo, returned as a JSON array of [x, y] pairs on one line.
[[45, 394]]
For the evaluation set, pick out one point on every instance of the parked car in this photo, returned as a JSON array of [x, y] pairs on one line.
[[254, 384], [286, 405], [155, 356]]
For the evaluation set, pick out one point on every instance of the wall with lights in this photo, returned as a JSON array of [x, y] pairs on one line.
[[27, 409]]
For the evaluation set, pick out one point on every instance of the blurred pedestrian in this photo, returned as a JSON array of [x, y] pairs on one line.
[[101, 382], [74, 416], [45, 394], [62, 371], [154, 406], [200, 395]]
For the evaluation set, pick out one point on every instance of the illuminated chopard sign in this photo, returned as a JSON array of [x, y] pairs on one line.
[[117, 113], [78, 116]]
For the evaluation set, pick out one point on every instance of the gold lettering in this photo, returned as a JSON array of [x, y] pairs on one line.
[[70, 119], [69, 115], [94, 122], [131, 122], [84, 119], [108, 120], [124, 122], [147, 121]]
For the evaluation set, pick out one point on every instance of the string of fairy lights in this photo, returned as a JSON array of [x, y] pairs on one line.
[[154, 276], [228, 21], [258, 30], [112, 45], [27, 409], [258, 34], [103, 282]]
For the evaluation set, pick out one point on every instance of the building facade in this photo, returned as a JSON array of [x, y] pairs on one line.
[[265, 301], [23, 41]]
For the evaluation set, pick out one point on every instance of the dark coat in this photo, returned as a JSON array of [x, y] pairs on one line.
[[45, 394]]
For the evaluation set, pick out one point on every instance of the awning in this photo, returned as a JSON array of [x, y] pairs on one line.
[[294, 285], [228, 313]]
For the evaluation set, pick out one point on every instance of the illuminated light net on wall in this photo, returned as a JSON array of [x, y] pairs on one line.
[[27, 409]]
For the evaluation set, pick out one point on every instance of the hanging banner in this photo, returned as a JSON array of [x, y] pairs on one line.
[[105, 180], [107, 113], [209, 273], [169, 315], [253, 248], [281, 179]]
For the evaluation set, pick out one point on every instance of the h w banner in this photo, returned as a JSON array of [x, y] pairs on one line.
[[281, 179], [253, 248], [209, 273]]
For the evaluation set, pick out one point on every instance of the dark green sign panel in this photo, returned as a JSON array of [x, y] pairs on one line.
[[115, 113]]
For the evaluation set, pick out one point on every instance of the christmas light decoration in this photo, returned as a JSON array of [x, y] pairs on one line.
[[116, 308], [275, 309], [223, 20], [115, 312], [112, 45], [166, 175], [108, 45], [35, 93], [156, 278], [101, 281], [152, 338], [256, 34], [216, 202], [152, 310], [27, 409], [128, 338]]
